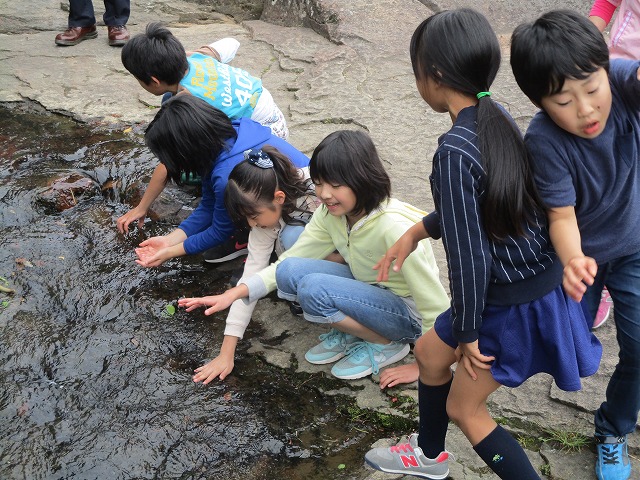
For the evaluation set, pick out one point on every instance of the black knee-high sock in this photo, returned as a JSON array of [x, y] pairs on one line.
[[432, 405], [505, 456]]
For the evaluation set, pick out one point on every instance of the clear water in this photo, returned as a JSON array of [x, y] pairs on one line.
[[96, 380]]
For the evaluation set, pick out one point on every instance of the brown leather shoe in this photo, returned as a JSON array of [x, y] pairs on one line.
[[118, 35], [74, 35]]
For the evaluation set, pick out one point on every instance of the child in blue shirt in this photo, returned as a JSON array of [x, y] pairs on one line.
[[585, 143], [190, 137], [159, 62]]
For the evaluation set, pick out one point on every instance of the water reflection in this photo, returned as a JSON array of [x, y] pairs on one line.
[[96, 380]]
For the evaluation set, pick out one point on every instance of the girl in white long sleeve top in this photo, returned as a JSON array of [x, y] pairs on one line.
[[267, 192]]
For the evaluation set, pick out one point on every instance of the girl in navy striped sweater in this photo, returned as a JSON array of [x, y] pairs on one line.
[[509, 317]]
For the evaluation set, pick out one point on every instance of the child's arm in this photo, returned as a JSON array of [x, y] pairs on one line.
[[155, 187], [223, 50], [260, 246], [215, 303], [601, 13], [565, 236], [222, 365], [226, 48]]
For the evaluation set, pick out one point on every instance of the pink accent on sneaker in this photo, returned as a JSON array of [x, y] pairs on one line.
[[403, 447], [604, 309], [442, 457]]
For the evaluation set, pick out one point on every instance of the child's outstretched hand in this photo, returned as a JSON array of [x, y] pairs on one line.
[[221, 366], [215, 303], [153, 252], [131, 216], [468, 354], [578, 273]]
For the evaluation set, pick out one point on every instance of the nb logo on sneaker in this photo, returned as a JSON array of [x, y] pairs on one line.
[[409, 461]]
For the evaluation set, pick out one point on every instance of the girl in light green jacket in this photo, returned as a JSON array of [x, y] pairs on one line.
[[372, 323]]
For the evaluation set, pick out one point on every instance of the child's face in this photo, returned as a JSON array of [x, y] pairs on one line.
[[268, 216], [583, 106], [339, 199], [154, 87], [430, 93]]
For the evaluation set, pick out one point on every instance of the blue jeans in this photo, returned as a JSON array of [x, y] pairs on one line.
[[327, 293], [289, 234], [618, 415]]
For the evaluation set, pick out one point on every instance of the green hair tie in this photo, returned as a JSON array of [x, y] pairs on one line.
[[483, 94]]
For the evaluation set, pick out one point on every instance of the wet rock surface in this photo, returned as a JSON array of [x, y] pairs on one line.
[[342, 65]]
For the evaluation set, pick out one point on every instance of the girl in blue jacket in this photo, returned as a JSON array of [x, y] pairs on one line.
[[189, 136]]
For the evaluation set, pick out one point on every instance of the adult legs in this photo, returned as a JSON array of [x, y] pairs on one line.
[[116, 12], [81, 13]]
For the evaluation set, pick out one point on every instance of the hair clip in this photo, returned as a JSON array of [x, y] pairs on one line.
[[258, 158]]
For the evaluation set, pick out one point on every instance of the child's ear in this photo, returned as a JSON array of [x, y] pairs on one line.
[[154, 81], [279, 197]]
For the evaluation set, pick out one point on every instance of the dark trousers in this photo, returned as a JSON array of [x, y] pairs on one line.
[[81, 13]]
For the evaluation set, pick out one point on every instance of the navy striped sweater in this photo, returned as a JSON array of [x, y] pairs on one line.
[[481, 271]]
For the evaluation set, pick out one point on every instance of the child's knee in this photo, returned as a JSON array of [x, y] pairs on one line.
[[284, 272]]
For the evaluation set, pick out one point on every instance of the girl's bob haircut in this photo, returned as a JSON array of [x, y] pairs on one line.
[[349, 158]]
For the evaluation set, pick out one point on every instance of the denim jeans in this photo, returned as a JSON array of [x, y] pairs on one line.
[[289, 234], [327, 293], [618, 415]]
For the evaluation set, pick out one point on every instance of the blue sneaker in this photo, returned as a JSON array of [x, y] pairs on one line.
[[333, 347], [613, 459], [365, 358]]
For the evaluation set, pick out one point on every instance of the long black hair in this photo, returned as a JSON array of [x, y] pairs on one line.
[[187, 135], [459, 49], [251, 188], [349, 157]]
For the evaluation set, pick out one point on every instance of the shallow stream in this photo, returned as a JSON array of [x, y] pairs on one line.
[[96, 372]]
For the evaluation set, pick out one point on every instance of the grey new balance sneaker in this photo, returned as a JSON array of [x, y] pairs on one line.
[[408, 459]]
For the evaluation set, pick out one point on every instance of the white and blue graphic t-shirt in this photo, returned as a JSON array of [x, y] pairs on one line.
[[230, 89]]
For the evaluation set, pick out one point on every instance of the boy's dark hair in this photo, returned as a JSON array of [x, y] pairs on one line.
[[459, 49], [155, 53], [350, 158], [251, 188], [187, 135], [560, 44]]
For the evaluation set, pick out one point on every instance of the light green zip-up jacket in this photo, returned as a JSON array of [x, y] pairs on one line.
[[362, 247]]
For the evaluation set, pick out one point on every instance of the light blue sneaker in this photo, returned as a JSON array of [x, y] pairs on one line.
[[613, 459], [365, 358], [333, 347]]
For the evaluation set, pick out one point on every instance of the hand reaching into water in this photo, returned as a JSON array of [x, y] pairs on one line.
[[215, 303], [153, 252], [131, 216], [221, 366]]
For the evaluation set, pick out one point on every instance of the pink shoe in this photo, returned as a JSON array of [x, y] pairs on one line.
[[604, 309]]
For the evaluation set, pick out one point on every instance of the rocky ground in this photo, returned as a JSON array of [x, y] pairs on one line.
[[341, 65]]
